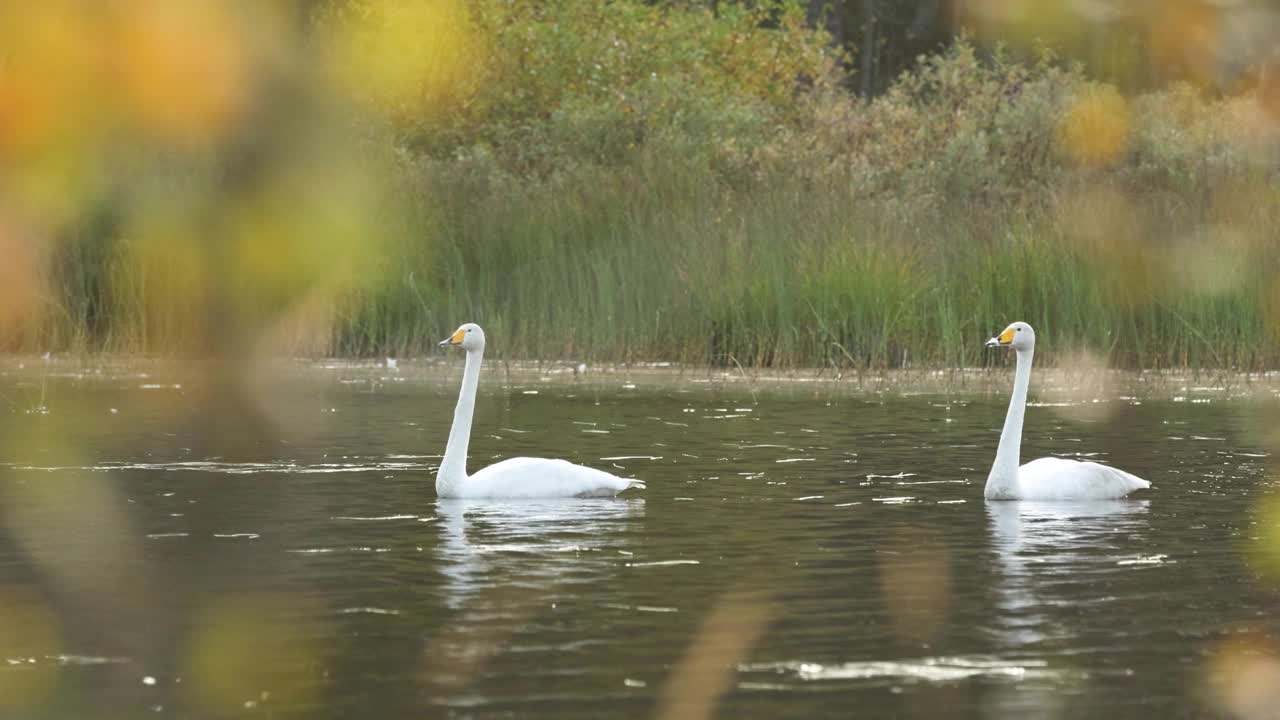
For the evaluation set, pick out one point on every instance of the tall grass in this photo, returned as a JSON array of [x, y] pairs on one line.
[[614, 268], [658, 262]]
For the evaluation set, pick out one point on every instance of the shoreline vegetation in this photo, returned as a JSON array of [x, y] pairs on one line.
[[610, 182], [1063, 386]]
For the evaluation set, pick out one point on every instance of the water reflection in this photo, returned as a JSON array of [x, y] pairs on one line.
[[1042, 548], [506, 564], [528, 544]]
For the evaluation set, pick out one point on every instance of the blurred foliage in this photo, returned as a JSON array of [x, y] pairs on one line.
[[170, 176], [550, 82], [241, 645], [1094, 130], [624, 180], [1134, 46], [32, 633]]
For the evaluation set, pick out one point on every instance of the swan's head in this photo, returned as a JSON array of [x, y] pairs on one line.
[[468, 336], [1018, 336]]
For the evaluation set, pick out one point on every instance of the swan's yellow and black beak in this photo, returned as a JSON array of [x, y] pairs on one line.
[[455, 338], [1003, 338]]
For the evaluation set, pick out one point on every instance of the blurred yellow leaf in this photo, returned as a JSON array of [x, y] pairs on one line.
[[245, 646], [49, 75], [707, 670], [1094, 131], [21, 284], [31, 639], [1183, 39], [916, 587], [182, 66], [410, 60], [1244, 676]]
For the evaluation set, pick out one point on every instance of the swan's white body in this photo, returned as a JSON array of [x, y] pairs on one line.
[[520, 477], [1048, 478], [526, 477]]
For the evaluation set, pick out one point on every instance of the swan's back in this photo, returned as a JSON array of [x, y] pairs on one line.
[[525, 477], [1062, 479]]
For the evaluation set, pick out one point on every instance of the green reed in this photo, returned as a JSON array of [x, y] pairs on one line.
[[636, 264], [624, 266]]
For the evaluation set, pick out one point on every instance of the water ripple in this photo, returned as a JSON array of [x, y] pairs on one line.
[[929, 669]]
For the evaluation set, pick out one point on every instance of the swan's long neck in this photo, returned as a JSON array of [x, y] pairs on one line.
[[453, 468], [1002, 482]]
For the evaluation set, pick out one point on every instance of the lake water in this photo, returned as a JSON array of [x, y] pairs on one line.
[[180, 547]]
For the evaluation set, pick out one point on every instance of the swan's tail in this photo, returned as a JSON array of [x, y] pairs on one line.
[[1132, 481], [612, 489]]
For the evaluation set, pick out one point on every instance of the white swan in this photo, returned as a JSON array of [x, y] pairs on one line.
[[1048, 478], [519, 477]]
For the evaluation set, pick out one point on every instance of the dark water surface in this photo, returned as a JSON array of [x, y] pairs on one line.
[[168, 548]]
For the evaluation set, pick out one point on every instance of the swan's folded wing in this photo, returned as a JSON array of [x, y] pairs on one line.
[[539, 477], [1062, 479]]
